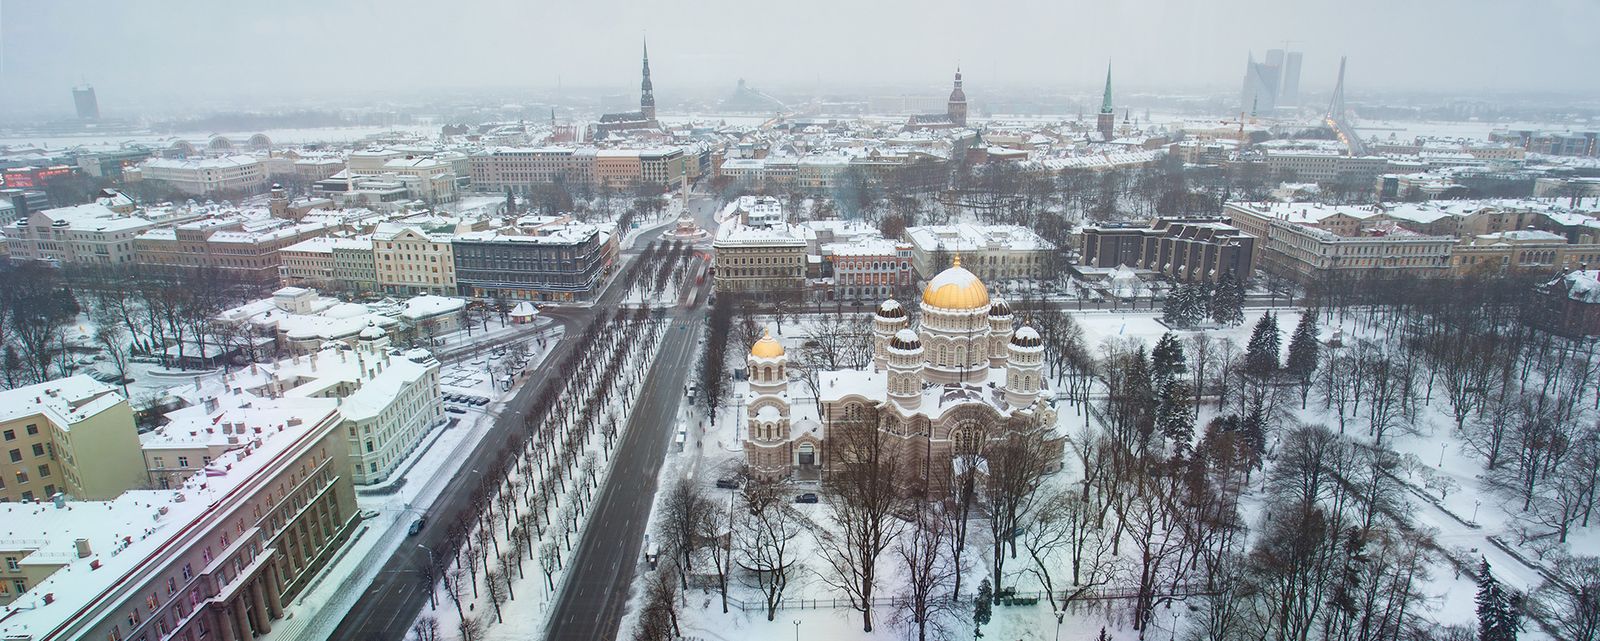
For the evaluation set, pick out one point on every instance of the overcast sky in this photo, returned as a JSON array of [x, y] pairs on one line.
[[196, 52]]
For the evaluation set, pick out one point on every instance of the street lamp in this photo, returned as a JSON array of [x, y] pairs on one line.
[[1442, 446], [1058, 614], [1475, 504], [796, 630], [433, 564]]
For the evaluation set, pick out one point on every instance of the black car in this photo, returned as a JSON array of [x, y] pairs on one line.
[[808, 497], [416, 526], [728, 484]]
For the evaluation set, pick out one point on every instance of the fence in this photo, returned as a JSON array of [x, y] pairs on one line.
[[1006, 599]]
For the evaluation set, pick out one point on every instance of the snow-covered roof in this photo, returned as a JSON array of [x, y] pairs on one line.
[[65, 401]]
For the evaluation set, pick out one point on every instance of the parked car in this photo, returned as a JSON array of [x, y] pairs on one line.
[[808, 497], [728, 484]]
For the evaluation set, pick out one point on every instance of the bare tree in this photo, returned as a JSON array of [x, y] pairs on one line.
[[425, 629], [923, 552], [862, 493], [684, 513], [471, 629], [1017, 467], [1570, 600], [765, 530]]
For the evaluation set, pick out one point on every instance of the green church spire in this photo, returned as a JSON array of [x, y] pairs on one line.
[[1105, 103]]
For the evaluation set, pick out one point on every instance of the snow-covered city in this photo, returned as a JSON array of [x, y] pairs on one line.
[[720, 322]]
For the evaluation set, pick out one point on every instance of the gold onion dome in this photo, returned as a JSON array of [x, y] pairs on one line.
[[956, 288], [767, 347]]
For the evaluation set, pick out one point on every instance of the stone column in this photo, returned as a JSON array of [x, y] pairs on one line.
[[274, 588], [312, 523], [239, 615], [263, 620], [221, 625]]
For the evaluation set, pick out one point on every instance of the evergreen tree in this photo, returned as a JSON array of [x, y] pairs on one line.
[[1253, 434], [1175, 417], [1303, 348], [1140, 392], [511, 203], [1261, 355], [1498, 617], [982, 608], [1227, 302], [1185, 307], [1167, 360]]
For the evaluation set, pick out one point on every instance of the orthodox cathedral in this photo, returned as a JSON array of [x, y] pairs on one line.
[[942, 390]]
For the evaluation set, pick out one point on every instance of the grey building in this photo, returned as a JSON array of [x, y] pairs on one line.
[[537, 259]]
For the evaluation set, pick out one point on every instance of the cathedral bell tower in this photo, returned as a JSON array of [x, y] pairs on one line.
[[956, 108]]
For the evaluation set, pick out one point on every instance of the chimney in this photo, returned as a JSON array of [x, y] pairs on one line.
[[83, 548], [313, 361]]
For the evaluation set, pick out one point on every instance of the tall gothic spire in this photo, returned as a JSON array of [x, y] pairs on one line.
[[1105, 102], [647, 95]]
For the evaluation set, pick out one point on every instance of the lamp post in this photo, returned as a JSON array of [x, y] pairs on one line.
[[1058, 614], [433, 564], [1475, 504], [1442, 447], [796, 630]]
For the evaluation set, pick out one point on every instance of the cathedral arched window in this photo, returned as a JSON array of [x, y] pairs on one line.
[[852, 412], [967, 439]]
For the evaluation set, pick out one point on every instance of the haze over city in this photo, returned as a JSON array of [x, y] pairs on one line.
[[195, 53], [1225, 320]]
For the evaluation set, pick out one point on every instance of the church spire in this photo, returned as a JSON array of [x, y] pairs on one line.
[[1105, 102], [647, 95], [1106, 121]]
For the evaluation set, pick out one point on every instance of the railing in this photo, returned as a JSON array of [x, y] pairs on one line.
[[1009, 598]]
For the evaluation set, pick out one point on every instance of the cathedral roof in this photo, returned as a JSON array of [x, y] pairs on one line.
[[891, 309], [767, 347], [998, 307], [956, 288], [1026, 337]]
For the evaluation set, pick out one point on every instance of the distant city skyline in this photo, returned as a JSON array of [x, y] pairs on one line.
[[189, 54]]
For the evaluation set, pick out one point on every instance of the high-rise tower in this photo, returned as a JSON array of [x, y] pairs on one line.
[[957, 107], [1106, 121], [83, 99], [647, 94]]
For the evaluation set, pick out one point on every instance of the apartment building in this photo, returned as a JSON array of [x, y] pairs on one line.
[[409, 260], [1308, 242], [386, 403], [69, 436], [538, 258], [869, 269], [214, 557], [205, 176], [84, 234], [757, 251], [520, 169], [354, 264], [244, 246]]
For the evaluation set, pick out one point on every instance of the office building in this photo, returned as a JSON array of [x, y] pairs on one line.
[[87, 106], [535, 259], [1184, 250]]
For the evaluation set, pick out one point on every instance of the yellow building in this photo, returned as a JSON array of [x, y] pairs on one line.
[[73, 436], [410, 260]]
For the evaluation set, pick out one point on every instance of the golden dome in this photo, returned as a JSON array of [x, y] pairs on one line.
[[956, 288], [767, 347]]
